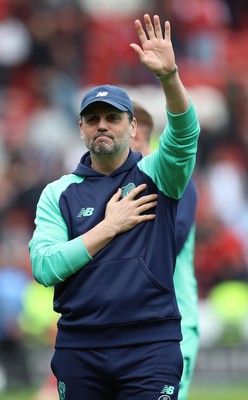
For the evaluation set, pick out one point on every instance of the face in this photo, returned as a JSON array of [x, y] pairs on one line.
[[105, 129]]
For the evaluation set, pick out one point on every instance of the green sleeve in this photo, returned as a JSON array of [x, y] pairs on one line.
[[186, 284], [171, 166], [53, 257]]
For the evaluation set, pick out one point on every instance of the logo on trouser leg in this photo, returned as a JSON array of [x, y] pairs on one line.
[[61, 390], [166, 391]]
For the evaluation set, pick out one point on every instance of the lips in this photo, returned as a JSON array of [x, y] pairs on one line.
[[102, 136]]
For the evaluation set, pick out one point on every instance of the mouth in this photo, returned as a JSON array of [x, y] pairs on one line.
[[102, 136]]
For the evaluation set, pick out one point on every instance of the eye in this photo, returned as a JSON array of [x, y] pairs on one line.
[[114, 117], [91, 119]]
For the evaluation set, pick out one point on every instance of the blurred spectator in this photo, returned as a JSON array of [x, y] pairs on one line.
[[38, 327], [239, 14], [14, 42], [15, 109], [229, 301], [197, 23], [108, 54], [13, 282], [219, 255], [227, 166], [220, 251]]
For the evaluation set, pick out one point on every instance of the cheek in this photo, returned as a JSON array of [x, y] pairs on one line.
[[125, 136], [85, 134]]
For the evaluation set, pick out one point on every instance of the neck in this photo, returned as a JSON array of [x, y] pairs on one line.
[[108, 163]]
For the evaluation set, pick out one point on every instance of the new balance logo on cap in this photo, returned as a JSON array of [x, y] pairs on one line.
[[101, 94]]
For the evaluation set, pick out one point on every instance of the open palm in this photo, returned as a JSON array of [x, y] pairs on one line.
[[156, 52]]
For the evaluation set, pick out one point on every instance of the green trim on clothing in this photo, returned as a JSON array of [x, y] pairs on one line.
[[53, 257], [186, 284]]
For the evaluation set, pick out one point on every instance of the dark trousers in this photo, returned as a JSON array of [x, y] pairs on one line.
[[151, 371]]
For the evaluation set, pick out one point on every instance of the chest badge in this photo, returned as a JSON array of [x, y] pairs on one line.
[[127, 189]]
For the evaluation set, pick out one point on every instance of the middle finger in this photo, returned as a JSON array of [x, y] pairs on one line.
[[157, 27], [146, 199]]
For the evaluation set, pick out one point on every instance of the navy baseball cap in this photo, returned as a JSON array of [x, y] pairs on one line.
[[113, 95]]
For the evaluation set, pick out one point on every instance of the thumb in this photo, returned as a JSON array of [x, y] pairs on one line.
[[137, 49]]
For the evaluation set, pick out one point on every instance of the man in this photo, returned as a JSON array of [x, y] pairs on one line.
[[184, 275], [101, 234]]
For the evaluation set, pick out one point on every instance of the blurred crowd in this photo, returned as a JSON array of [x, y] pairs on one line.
[[53, 50]]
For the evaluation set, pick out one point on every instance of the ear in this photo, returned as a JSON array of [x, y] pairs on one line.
[[134, 127], [81, 129]]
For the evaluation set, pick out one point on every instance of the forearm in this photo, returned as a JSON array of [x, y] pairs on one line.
[[98, 237], [54, 262], [177, 98], [172, 164]]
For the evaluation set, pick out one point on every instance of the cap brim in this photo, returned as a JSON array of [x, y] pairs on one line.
[[112, 103]]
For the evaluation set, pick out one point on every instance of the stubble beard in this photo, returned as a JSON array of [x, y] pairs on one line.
[[102, 147]]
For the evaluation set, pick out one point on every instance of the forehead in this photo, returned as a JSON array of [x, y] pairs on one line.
[[101, 107]]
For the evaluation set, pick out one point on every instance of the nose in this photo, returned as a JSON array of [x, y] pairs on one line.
[[102, 125]]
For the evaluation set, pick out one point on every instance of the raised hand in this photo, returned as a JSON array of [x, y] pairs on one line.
[[156, 52]]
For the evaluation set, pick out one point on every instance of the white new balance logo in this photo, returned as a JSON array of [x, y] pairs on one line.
[[86, 212], [167, 389], [101, 94]]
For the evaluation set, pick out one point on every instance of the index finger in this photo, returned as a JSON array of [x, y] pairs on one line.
[[131, 195], [140, 31]]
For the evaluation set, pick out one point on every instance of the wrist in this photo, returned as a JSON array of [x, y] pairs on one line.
[[109, 227], [168, 74]]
